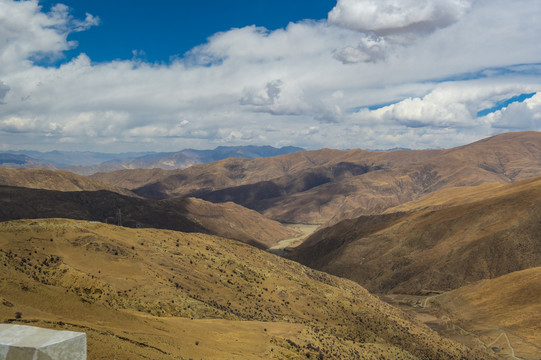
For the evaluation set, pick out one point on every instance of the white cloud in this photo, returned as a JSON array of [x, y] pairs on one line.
[[388, 17], [369, 49], [265, 96], [386, 24], [28, 33], [449, 105], [17, 124], [524, 115], [294, 86]]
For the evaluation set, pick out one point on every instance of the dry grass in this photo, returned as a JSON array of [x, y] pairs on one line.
[[189, 215], [136, 291], [55, 180], [508, 305], [445, 241]]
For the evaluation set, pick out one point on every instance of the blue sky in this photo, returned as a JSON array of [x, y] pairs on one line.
[[168, 28], [162, 75]]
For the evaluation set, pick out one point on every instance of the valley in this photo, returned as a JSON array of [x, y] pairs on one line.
[[323, 254], [499, 315]]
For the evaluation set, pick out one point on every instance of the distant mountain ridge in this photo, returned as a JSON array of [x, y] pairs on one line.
[[71, 158], [326, 186], [87, 163], [188, 157], [14, 159]]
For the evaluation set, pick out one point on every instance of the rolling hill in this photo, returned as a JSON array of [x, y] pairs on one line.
[[307, 186], [147, 293], [442, 242], [504, 313], [326, 186], [55, 180], [189, 215]]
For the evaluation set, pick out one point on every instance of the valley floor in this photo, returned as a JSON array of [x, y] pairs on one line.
[[446, 318], [282, 246]]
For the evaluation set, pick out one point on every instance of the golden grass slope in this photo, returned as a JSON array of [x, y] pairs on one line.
[[145, 293], [233, 221], [189, 215], [54, 180], [447, 240], [504, 313]]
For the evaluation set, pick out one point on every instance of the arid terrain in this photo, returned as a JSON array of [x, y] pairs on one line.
[[145, 293], [188, 215], [54, 180], [277, 257], [501, 315], [444, 241], [315, 187]]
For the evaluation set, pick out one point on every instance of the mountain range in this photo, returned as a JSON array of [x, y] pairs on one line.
[[86, 163], [39, 193], [437, 233], [326, 186], [442, 242]]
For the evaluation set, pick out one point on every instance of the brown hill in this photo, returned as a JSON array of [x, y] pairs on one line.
[[305, 187], [504, 158], [504, 313], [55, 180], [189, 215], [228, 173], [130, 179], [442, 243], [318, 186], [147, 293]]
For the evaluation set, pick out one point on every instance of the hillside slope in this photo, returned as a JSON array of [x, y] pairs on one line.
[[330, 185], [189, 215], [442, 242], [504, 312], [55, 180], [146, 293]]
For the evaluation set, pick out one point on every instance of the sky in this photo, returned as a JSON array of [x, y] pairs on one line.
[[138, 75]]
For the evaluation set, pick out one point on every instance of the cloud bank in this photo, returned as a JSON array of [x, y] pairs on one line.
[[374, 74], [389, 17]]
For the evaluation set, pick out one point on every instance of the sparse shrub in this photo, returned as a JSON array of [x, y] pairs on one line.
[[197, 343], [18, 315]]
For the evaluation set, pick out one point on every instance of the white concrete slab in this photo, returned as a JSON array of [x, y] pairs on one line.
[[19, 342]]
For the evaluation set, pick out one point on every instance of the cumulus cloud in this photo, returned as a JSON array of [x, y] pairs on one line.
[[388, 17], [265, 96], [524, 115], [456, 106], [15, 124], [388, 23], [369, 49], [28, 33], [301, 85]]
